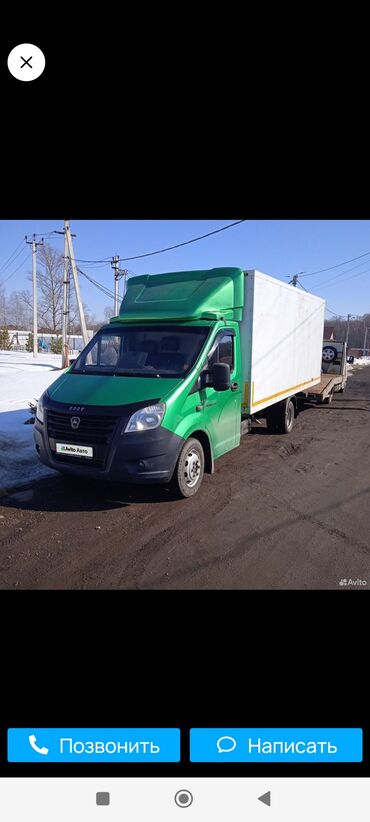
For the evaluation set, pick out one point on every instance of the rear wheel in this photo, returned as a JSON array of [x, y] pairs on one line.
[[189, 470], [280, 417]]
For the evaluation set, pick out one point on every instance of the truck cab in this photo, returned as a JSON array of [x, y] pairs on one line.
[[155, 397]]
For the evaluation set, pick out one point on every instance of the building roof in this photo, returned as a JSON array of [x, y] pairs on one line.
[[329, 332]]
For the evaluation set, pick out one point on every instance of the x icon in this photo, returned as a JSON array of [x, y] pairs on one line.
[[26, 62]]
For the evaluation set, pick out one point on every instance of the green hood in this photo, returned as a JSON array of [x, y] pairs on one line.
[[86, 389]]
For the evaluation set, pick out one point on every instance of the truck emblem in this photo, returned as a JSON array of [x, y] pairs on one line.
[[75, 422]]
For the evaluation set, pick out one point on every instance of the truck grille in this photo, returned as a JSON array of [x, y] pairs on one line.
[[95, 429]]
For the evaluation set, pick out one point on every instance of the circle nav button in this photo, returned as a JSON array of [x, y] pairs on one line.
[[183, 798]]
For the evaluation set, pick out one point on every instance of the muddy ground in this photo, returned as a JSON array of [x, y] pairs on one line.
[[280, 512]]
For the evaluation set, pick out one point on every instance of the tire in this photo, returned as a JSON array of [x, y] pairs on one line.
[[328, 399], [329, 354], [280, 418], [189, 471]]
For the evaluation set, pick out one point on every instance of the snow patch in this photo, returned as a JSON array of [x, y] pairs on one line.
[[361, 361], [23, 379]]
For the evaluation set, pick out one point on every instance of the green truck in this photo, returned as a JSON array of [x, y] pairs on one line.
[[168, 386]]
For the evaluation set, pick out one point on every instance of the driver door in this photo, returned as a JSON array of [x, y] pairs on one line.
[[222, 409]]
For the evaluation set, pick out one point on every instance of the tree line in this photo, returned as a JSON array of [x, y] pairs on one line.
[[357, 327]]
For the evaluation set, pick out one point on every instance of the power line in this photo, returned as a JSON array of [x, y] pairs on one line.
[[102, 288], [180, 245], [12, 258], [295, 281], [335, 313], [14, 272], [15, 255], [342, 273], [359, 274], [338, 265], [346, 271], [169, 248]]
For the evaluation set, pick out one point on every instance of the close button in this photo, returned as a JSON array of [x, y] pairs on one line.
[[26, 62]]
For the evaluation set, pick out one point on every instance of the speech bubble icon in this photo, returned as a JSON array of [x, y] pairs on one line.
[[226, 744]]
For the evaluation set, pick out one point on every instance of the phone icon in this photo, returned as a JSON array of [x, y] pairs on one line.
[[32, 740]]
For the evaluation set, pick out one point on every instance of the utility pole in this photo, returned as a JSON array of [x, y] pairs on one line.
[[34, 286], [65, 349], [115, 266], [71, 255], [118, 274], [66, 287], [365, 340], [294, 280], [347, 336]]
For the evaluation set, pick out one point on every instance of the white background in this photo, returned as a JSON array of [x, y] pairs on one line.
[[147, 800]]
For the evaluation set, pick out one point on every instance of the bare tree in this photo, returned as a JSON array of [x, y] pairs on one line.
[[50, 275], [3, 308], [19, 314], [50, 287], [357, 327], [108, 313]]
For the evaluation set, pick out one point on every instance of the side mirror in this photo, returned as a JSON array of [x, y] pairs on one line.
[[220, 376]]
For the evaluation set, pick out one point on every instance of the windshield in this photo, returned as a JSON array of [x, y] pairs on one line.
[[142, 352]]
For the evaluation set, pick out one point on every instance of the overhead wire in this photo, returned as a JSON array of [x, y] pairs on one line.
[[102, 288], [12, 258], [359, 274], [335, 314], [338, 265], [16, 270], [341, 273], [168, 248], [180, 245]]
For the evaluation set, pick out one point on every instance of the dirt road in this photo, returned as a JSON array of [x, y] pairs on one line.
[[280, 512]]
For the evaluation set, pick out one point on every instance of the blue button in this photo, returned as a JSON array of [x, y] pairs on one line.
[[276, 745], [93, 745]]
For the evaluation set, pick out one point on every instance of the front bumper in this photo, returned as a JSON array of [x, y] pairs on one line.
[[143, 457]]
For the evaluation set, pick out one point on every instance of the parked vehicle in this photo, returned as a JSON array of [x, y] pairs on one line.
[[169, 386], [334, 373]]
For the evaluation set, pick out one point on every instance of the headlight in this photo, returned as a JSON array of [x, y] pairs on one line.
[[146, 418], [40, 407]]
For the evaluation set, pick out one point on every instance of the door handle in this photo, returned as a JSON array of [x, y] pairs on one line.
[[234, 386]]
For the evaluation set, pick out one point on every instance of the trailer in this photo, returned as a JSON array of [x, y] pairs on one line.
[[334, 373]]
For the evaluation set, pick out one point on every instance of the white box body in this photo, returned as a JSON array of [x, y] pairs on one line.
[[281, 341]]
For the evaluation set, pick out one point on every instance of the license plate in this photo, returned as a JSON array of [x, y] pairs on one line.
[[73, 450]]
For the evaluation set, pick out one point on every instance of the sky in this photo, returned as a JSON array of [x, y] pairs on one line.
[[280, 248]]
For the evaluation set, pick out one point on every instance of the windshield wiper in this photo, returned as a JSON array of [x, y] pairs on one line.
[[151, 375]]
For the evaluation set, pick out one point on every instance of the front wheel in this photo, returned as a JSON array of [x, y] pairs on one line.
[[189, 470]]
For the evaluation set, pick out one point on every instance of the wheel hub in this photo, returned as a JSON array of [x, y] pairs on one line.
[[192, 468]]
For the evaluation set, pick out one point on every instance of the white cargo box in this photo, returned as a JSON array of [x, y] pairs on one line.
[[281, 337]]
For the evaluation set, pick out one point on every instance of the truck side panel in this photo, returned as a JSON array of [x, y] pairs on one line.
[[282, 334]]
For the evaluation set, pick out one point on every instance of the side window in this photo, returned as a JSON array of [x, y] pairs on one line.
[[224, 351]]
